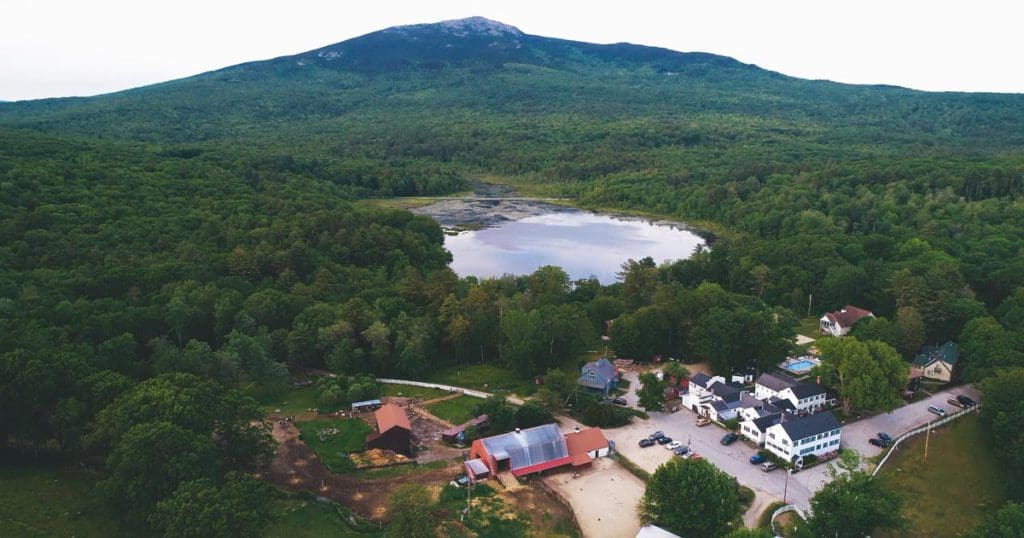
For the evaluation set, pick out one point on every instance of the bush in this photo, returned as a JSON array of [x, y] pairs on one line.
[[732, 424], [532, 414], [590, 412], [746, 496]]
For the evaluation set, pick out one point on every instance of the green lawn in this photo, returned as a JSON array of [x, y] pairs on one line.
[[808, 327], [408, 391], [485, 377], [44, 501], [290, 402], [351, 437], [457, 410], [308, 519], [948, 494]]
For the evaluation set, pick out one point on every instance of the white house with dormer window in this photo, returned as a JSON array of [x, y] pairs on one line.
[[796, 437]]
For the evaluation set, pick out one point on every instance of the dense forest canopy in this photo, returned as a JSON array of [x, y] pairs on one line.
[[211, 228]]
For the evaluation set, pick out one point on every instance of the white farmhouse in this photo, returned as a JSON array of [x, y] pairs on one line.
[[803, 396], [838, 323], [800, 436]]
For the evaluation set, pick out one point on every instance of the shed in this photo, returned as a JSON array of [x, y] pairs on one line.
[[393, 430], [586, 445], [367, 405]]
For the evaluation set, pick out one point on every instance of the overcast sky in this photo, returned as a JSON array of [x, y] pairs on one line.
[[85, 47]]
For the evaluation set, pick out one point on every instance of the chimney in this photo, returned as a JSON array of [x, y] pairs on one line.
[[517, 430], [819, 379], [577, 429]]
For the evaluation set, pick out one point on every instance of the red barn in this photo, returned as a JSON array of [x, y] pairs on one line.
[[393, 430], [520, 452]]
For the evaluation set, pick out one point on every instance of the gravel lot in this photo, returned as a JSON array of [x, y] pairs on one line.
[[604, 498]]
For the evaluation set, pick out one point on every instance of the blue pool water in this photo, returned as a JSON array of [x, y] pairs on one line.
[[800, 366]]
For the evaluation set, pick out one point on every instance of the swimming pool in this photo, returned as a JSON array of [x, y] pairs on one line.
[[800, 366]]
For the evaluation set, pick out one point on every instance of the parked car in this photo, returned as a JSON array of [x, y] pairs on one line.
[[673, 445], [656, 435], [664, 440], [729, 438], [966, 400], [758, 458], [937, 410], [681, 450], [703, 421], [695, 456], [619, 401], [884, 437], [954, 402], [644, 443], [877, 442], [768, 466]]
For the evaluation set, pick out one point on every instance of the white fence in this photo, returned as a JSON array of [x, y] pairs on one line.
[[449, 388], [921, 429], [788, 508]]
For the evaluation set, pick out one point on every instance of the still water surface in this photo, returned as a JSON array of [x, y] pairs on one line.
[[584, 244]]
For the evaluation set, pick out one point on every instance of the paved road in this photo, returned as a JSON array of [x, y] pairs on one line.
[[902, 419]]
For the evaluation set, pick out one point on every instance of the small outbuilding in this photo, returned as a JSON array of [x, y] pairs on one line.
[[586, 445], [366, 405], [394, 432]]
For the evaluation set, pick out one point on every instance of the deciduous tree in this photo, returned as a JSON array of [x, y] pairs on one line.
[[691, 498]]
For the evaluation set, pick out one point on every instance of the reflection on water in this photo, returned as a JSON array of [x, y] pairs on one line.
[[584, 244]]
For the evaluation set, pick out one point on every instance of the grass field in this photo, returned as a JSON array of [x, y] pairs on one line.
[[808, 327], [959, 484], [351, 437], [456, 410], [43, 501], [485, 377], [409, 391], [290, 402], [307, 519]]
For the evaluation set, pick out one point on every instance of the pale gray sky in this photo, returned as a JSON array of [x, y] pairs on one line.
[[84, 47]]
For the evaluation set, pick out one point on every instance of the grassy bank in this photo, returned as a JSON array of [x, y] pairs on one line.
[[951, 491], [43, 501], [456, 410], [309, 519]]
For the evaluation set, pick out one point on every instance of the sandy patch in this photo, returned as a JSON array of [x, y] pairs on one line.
[[604, 498]]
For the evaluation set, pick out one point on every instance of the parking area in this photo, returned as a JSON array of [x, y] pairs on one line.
[[706, 441], [908, 417], [734, 459]]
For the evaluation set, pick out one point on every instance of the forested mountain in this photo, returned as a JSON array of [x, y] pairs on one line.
[[211, 225]]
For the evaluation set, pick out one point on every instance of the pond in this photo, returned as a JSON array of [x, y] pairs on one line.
[[518, 237]]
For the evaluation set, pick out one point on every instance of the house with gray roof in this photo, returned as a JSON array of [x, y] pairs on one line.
[[600, 375], [796, 437], [804, 396]]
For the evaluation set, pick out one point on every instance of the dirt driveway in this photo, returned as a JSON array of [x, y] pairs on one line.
[[604, 498]]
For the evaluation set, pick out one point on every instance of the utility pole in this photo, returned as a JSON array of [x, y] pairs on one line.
[[927, 436], [809, 304], [785, 489]]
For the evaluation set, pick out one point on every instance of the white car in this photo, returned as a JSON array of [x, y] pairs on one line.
[[673, 445]]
